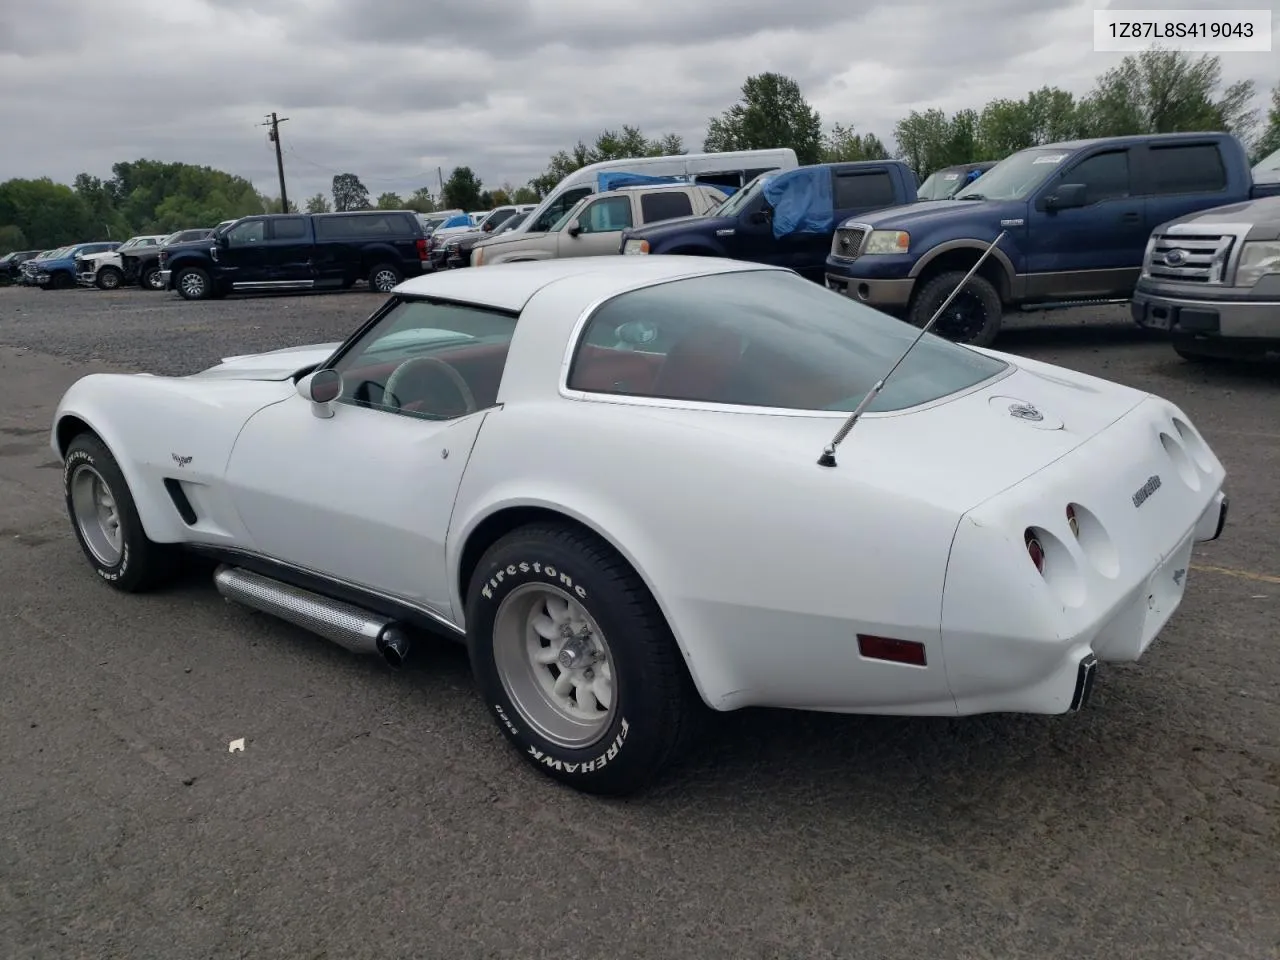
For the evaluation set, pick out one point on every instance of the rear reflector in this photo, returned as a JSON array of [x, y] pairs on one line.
[[895, 651]]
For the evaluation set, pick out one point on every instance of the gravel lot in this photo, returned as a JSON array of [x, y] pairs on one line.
[[375, 814]]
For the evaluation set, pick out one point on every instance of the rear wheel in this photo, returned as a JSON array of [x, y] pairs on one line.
[[109, 278], [973, 317], [574, 658], [384, 278], [192, 283], [105, 520]]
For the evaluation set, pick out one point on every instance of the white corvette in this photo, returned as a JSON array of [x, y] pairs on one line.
[[604, 474]]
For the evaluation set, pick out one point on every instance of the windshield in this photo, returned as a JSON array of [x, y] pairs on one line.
[[1269, 165], [131, 243], [1014, 177], [55, 254], [941, 184], [514, 222], [775, 340], [735, 203]]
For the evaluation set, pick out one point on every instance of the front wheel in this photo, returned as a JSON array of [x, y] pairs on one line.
[[577, 663], [109, 278], [61, 281], [973, 317], [105, 520], [193, 283], [151, 279]]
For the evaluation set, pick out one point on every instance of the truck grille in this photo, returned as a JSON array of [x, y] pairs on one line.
[[1188, 257], [82, 266], [848, 243]]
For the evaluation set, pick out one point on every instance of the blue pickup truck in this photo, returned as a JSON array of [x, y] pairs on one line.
[[1077, 217], [782, 218], [59, 272]]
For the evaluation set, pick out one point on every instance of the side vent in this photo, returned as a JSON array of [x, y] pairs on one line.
[[180, 501]]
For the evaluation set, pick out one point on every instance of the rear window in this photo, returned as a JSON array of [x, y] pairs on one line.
[[665, 206], [871, 189], [765, 338], [1187, 168], [363, 226]]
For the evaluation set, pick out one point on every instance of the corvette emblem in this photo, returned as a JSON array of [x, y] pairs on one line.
[[1178, 575], [180, 461], [1025, 411], [1146, 490]]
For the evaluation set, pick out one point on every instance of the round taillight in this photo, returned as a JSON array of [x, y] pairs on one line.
[[1035, 551], [1072, 522]]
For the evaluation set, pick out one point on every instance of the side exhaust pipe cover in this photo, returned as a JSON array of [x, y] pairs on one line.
[[342, 623]]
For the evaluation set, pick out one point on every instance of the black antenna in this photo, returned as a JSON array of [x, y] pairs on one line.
[[828, 458]]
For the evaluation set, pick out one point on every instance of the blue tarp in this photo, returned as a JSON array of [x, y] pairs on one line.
[[801, 201], [614, 180]]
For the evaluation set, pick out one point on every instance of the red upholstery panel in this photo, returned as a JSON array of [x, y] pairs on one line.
[[609, 370]]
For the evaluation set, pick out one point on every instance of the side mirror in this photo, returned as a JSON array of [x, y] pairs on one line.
[[1068, 196], [573, 229], [321, 388]]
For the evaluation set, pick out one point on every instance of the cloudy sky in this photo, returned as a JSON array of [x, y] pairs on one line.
[[393, 89]]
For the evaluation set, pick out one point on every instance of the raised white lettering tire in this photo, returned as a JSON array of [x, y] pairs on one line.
[[105, 520], [576, 661]]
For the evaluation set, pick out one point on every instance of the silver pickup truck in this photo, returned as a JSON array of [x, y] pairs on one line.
[[1212, 279]]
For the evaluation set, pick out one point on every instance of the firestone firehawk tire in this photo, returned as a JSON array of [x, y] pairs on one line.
[[105, 520], [576, 662]]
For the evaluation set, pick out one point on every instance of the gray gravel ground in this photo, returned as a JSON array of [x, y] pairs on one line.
[[375, 814]]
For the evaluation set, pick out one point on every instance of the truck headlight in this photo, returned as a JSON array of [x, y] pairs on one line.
[[635, 246], [1257, 259], [887, 241]]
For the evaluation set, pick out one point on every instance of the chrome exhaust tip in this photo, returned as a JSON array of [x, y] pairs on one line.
[[393, 644], [1085, 674]]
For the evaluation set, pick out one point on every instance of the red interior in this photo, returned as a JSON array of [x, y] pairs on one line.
[[708, 365]]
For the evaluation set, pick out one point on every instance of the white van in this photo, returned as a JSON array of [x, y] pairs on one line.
[[734, 168]]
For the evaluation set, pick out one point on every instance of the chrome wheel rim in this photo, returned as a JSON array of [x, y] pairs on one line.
[[97, 515], [193, 284], [110, 279], [153, 279], [555, 665], [384, 281]]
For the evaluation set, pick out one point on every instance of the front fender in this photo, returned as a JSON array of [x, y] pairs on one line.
[[160, 428], [964, 243]]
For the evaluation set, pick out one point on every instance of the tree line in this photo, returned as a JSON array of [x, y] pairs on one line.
[[1158, 91]]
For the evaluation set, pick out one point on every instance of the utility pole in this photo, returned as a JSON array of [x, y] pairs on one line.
[[274, 136]]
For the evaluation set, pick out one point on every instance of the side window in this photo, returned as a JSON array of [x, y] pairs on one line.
[[606, 216], [665, 206], [558, 208], [1186, 168], [433, 361], [288, 228], [732, 178], [246, 234], [871, 189], [1105, 176]]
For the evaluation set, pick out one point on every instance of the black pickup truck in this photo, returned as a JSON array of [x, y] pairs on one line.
[[281, 252], [783, 218]]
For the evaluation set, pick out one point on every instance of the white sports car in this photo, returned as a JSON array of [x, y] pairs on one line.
[[604, 475]]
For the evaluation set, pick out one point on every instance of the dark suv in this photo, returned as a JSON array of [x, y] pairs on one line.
[[11, 265], [280, 252]]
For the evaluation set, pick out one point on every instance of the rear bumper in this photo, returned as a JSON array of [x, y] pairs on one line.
[[1144, 492]]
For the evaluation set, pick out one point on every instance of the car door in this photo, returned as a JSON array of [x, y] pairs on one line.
[[1179, 178], [290, 247], [599, 225], [244, 253], [365, 496], [1090, 251]]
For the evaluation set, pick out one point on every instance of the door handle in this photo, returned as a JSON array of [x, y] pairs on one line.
[[1129, 217]]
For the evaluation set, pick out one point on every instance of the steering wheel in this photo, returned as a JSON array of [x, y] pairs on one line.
[[428, 365]]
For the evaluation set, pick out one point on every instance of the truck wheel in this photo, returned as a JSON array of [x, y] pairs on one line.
[[150, 279], [105, 520], [973, 317], [384, 278], [109, 278], [192, 283], [575, 660]]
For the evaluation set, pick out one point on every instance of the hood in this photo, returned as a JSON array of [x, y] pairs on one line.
[[102, 255], [186, 245], [280, 364], [704, 223], [920, 214], [1263, 214], [457, 233]]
